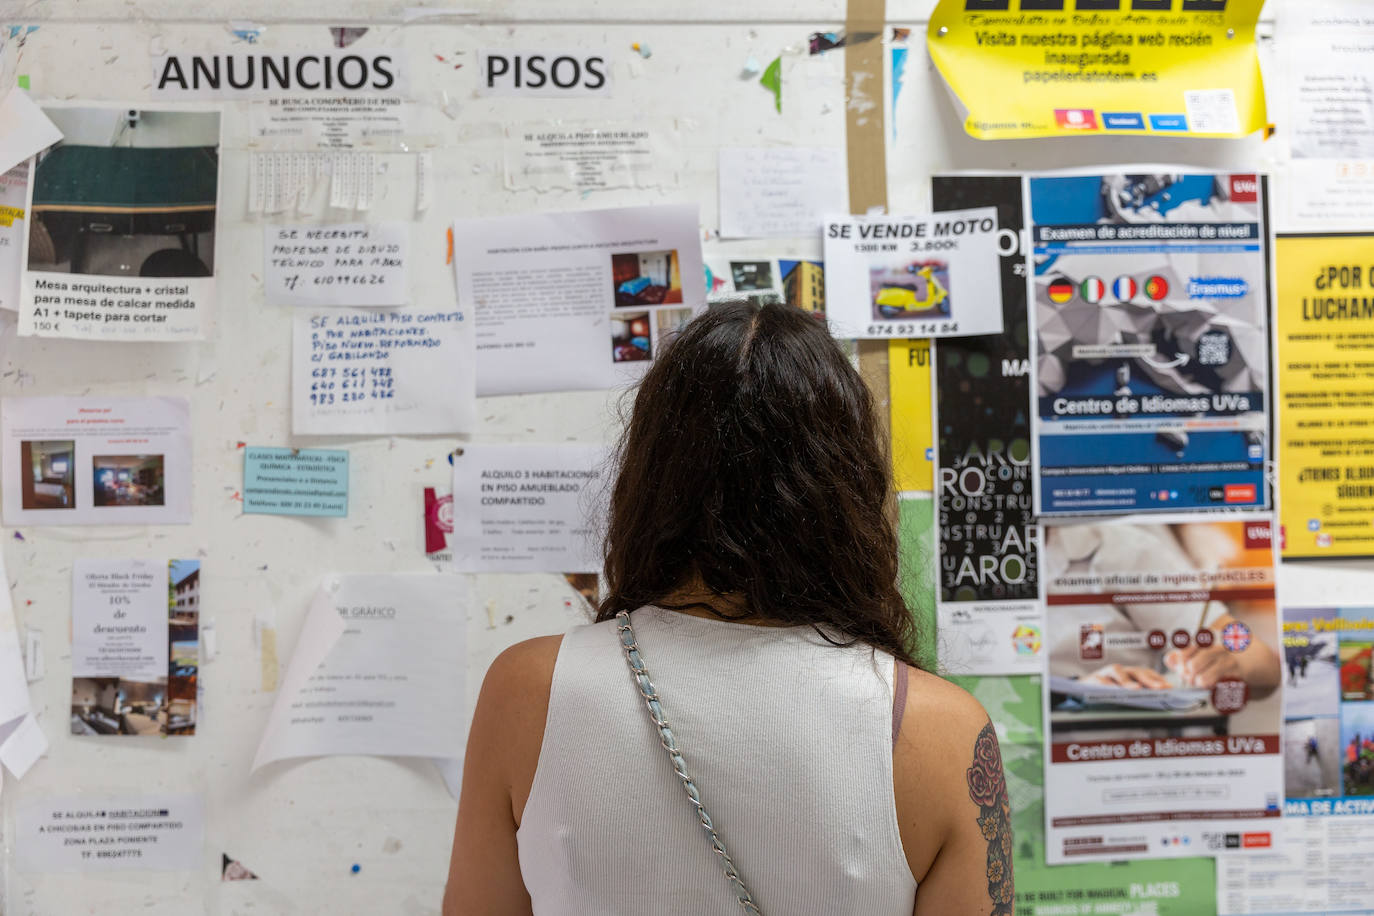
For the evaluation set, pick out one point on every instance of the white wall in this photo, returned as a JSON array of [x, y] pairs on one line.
[[302, 825]]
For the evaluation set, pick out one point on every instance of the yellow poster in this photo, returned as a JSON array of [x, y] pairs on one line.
[[1325, 330], [1051, 68], [908, 368]]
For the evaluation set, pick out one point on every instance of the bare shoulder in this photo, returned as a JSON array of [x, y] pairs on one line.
[[941, 728], [522, 670]]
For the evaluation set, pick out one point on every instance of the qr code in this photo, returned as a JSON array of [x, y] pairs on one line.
[[1214, 349]]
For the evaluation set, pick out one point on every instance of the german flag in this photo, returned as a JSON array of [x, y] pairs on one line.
[[1157, 288], [1060, 290]]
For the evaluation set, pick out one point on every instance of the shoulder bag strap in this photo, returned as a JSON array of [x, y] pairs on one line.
[[665, 737]]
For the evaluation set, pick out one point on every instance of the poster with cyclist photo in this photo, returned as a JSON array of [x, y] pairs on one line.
[[928, 276]]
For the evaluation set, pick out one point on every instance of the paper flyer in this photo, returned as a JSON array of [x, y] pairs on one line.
[[1149, 306], [909, 393], [382, 371], [1162, 702], [529, 508], [581, 300], [27, 130], [780, 192], [1328, 705], [295, 481], [337, 264], [1044, 68], [798, 282], [96, 461], [22, 742], [92, 832], [438, 522], [1325, 372], [990, 619], [919, 276], [590, 156], [14, 186], [135, 647], [121, 226], [1138, 887], [1329, 122], [379, 668]]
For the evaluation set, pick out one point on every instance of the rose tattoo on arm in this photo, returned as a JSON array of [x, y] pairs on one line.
[[987, 786]]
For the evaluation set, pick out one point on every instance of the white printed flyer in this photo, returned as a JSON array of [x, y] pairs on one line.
[[1162, 702], [96, 461], [379, 668], [926, 276], [345, 264], [121, 226], [80, 833], [382, 372], [575, 301], [135, 647], [528, 508]]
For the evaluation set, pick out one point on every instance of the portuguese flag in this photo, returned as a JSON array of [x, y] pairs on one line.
[[1061, 290], [1157, 288]]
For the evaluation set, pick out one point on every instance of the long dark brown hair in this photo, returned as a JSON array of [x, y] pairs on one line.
[[753, 465]]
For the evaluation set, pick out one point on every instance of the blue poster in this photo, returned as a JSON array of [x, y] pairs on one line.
[[1149, 298], [295, 481]]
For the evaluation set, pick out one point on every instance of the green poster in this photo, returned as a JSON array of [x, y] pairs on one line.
[[1155, 887], [916, 538]]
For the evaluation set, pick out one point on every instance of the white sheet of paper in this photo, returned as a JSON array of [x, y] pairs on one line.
[[378, 372], [569, 301], [528, 508], [780, 192], [14, 189], [119, 619], [21, 741], [96, 461], [24, 129], [132, 264], [918, 276], [378, 669], [161, 832], [343, 264]]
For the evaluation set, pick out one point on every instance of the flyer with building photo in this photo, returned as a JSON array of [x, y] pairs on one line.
[[121, 225], [1149, 305], [135, 647], [96, 461], [1162, 705], [1328, 706], [1325, 371], [582, 300], [917, 276], [988, 603]]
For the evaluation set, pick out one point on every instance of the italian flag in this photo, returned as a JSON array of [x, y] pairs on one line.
[[1093, 290]]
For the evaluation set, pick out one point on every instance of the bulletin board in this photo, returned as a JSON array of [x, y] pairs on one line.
[[372, 834]]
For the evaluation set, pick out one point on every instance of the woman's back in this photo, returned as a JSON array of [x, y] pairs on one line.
[[789, 739]]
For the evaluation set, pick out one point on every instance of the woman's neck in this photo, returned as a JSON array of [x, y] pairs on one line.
[[698, 601]]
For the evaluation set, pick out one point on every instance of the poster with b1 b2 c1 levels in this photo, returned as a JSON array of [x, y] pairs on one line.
[[925, 276], [1149, 302]]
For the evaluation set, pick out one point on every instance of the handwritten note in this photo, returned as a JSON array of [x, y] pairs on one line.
[[295, 481], [340, 264], [780, 193], [374, 371]]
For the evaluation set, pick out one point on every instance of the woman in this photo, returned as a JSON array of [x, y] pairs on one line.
[[752, 553]]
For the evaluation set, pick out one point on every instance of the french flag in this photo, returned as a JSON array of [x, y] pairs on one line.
[[1124, 289]]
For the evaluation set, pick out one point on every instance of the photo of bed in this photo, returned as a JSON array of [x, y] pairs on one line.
[[630, 337], [128, 192], [646, 278], [129, 480], [48, 471]]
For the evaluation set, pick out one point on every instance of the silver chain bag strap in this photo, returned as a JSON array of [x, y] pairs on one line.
[[665, 737]]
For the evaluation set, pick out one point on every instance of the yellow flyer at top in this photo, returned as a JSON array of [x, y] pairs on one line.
[[908, 373], [1053, 68], [1326, 390]]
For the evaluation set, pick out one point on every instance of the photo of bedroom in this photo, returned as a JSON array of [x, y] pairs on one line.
[[129, 480], [630, 337], [646, 278], [128, 192], [118, 706], [49, 474]]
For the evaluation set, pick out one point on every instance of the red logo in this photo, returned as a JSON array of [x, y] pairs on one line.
[[1258, 535], [1245, 190], [1240, 492], [1254, 840], [438, 520], [1090, 641], [1075, 118], [1157, 288]]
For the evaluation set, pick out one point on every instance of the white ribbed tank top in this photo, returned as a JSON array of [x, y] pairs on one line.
[[788, 738]]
